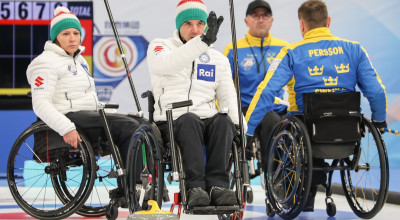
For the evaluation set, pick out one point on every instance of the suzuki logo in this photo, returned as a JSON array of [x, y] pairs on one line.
[[38, 81]]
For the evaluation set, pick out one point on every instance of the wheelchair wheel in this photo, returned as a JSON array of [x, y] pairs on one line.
[[105, 180], [145, 169], [366, 186], [98, 200], [288, 174], [35, 179], [236, 171]]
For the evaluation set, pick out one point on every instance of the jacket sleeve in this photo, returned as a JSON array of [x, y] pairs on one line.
[[165, 59], [226, 94], [371, 86], [43, 79], [278, 75], [228, 52]]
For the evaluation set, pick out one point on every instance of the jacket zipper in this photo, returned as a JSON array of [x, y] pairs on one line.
[[262, 57], [191, 81], [87, 76]]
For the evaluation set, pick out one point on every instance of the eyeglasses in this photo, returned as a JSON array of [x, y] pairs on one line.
[[263, 16]]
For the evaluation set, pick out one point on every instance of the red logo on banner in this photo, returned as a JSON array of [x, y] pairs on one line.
[[39, 81]]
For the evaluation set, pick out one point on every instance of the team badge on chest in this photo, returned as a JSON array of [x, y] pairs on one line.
[[206, 72], [204, 58], [72, 69], [247, 63]]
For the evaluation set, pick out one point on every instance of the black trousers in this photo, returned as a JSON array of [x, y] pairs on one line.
[[121, 126], [191, 134]]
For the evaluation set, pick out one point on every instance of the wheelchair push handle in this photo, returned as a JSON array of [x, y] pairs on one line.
[[111, 105], [179, 104], [108, 105]]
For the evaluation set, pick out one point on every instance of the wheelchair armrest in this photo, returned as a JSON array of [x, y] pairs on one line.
[[179, 104]]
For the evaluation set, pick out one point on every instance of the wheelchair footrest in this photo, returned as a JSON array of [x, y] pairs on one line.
[[213, 210]]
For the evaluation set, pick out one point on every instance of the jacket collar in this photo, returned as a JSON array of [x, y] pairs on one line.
[[318, 33], [176, 37], [255, 41], [56, 49]]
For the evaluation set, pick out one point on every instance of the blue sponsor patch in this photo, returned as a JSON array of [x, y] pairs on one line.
[[206, 72], [86, 68]]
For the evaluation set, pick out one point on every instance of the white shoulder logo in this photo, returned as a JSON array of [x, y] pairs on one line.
[[274, 64]]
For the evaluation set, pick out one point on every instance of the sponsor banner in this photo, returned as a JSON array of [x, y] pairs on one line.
[[108, 67], [87, 36]]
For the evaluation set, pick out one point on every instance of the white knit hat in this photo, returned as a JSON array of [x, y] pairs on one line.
[[190, 10], [62, 20]]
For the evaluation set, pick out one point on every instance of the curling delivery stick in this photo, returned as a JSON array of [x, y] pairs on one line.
[[128, 74], [246, 178]]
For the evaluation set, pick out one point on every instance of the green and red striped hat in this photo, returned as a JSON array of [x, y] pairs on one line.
[[190, 10], [63, 19]]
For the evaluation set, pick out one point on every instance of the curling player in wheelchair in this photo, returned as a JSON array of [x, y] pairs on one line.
[[186, 67], [321, 62], [63, 91]]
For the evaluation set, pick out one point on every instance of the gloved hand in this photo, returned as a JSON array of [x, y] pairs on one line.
[[213, 27], [379, 125], [249, 141], [249, 147]]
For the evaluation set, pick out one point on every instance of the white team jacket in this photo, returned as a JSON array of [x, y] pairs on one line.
[[193, 71], [60, 84]]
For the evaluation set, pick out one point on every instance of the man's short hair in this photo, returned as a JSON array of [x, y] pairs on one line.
[[314, 13]]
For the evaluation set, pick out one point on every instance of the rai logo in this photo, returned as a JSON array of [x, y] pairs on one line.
[[206, 72]]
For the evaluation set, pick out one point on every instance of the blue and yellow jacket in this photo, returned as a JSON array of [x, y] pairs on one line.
[[254, 57], [319, 63]]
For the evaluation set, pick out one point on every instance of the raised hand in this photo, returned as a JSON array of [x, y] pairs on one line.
[[213, 27]]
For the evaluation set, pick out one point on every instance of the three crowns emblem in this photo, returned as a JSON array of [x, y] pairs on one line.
[[342, 68], [316, 71], [331, 81]]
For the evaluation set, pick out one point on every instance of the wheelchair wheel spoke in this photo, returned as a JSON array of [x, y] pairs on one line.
[[366, 186], [288, 167], [35, 185]]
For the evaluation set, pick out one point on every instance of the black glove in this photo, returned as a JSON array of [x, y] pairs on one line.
[[249, 147], [213, 27], [249, 141], [379, 125]]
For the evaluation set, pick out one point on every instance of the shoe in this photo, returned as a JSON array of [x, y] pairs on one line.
[[222, 197], [309, 207], [198, 197]]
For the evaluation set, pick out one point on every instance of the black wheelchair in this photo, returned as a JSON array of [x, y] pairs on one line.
[[331, 129], [255, 157], [159, 157], [49, 179]]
